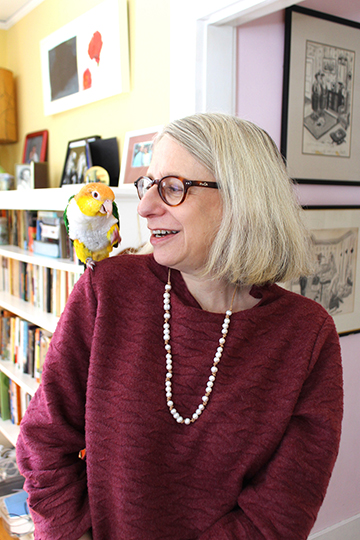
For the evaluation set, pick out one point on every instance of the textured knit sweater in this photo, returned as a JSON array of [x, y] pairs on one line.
[[254, 466]]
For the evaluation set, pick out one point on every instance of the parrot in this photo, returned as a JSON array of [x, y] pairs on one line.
[[91, 219]]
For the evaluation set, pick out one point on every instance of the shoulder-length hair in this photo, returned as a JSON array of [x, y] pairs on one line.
[[262, 238]]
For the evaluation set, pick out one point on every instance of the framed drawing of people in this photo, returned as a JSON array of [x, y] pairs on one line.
[[334, 283], [320, 127]]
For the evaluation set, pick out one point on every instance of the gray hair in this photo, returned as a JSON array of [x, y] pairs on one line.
[[262, 238]]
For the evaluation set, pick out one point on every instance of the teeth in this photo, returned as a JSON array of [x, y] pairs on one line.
[[162, 232]]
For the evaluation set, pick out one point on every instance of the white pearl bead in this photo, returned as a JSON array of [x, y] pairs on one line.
[[214, 369]]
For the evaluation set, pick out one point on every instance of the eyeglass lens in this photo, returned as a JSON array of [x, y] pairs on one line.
[[171, 189]]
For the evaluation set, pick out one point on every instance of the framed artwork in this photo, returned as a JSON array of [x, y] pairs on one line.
[[336, 279], [137, 154], [320, 124], [78, 161], [87, 59], [31, 175], [35, 147]]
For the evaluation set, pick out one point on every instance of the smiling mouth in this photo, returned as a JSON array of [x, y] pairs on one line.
[[160, 233]]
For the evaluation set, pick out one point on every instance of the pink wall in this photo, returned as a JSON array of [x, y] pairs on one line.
[[259, 96]]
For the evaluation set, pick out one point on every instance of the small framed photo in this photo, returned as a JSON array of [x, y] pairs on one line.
[[78, 161], [31, 175], [137, 154], [35, 148], [335, 282]]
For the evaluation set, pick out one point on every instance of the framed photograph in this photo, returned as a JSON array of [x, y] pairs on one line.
[[336, 279], [320, 125], [78, 161], [137, 154], [87, 59], [31, 175], [35, 147]]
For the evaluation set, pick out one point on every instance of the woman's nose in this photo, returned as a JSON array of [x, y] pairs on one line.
[[151, 203]]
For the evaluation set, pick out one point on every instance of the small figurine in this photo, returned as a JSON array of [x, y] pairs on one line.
[[92, 221]]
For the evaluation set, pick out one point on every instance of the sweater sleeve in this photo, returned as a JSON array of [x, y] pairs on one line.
[[283, 498], [52, 431]]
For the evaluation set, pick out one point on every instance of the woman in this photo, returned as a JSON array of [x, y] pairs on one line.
[[209, 399]]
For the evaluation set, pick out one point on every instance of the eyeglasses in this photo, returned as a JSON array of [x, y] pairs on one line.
[[172, 189]]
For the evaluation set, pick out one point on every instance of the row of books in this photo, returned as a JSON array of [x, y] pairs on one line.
[[23, 344], [43, 287], [14, 400], [41, 232]]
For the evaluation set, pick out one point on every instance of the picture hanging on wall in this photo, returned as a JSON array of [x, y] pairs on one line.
[[335, 281], [137, 154], [320, 124], [87, 59]]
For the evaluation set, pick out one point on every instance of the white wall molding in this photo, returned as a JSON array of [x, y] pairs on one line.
[[203, 51], [348, 529], [19, 13]]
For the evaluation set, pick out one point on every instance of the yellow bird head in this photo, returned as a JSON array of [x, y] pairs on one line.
[[95, 199]]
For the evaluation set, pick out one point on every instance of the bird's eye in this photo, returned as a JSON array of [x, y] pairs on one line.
[[95, 194]]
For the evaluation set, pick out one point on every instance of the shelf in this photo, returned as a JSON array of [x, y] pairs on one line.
[[24, 380], [54, 198], [14, 252], [9, 430], [30, 313]]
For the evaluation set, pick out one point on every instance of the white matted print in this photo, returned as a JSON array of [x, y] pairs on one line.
[[336, 279], [87, 59]]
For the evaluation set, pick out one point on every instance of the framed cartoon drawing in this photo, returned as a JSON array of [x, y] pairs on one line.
[[320, 126]]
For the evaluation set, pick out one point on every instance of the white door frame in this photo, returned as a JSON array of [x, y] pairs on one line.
[[203, 51]]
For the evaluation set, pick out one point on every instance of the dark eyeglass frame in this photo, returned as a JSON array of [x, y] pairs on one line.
[[186, 183]]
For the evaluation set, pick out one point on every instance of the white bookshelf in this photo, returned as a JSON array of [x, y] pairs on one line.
[[27, 311], [14, 252], [133, 232]]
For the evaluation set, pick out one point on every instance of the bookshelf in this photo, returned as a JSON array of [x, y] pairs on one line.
[[133, 232]]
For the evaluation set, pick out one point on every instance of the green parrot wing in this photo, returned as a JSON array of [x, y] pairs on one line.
[[66, 221], [115, 211]]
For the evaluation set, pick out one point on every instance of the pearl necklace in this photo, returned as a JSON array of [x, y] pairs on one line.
[[210, 384]]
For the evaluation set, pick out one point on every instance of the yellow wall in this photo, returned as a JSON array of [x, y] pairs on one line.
[[146, 105]]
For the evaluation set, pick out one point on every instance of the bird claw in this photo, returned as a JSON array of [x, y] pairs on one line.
[[90, 263]]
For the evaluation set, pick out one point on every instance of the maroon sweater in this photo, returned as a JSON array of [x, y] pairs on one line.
[[255, 465]]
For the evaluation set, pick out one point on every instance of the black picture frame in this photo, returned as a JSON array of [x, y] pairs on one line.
[[336, 279], [320, 129], [78, 160]]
